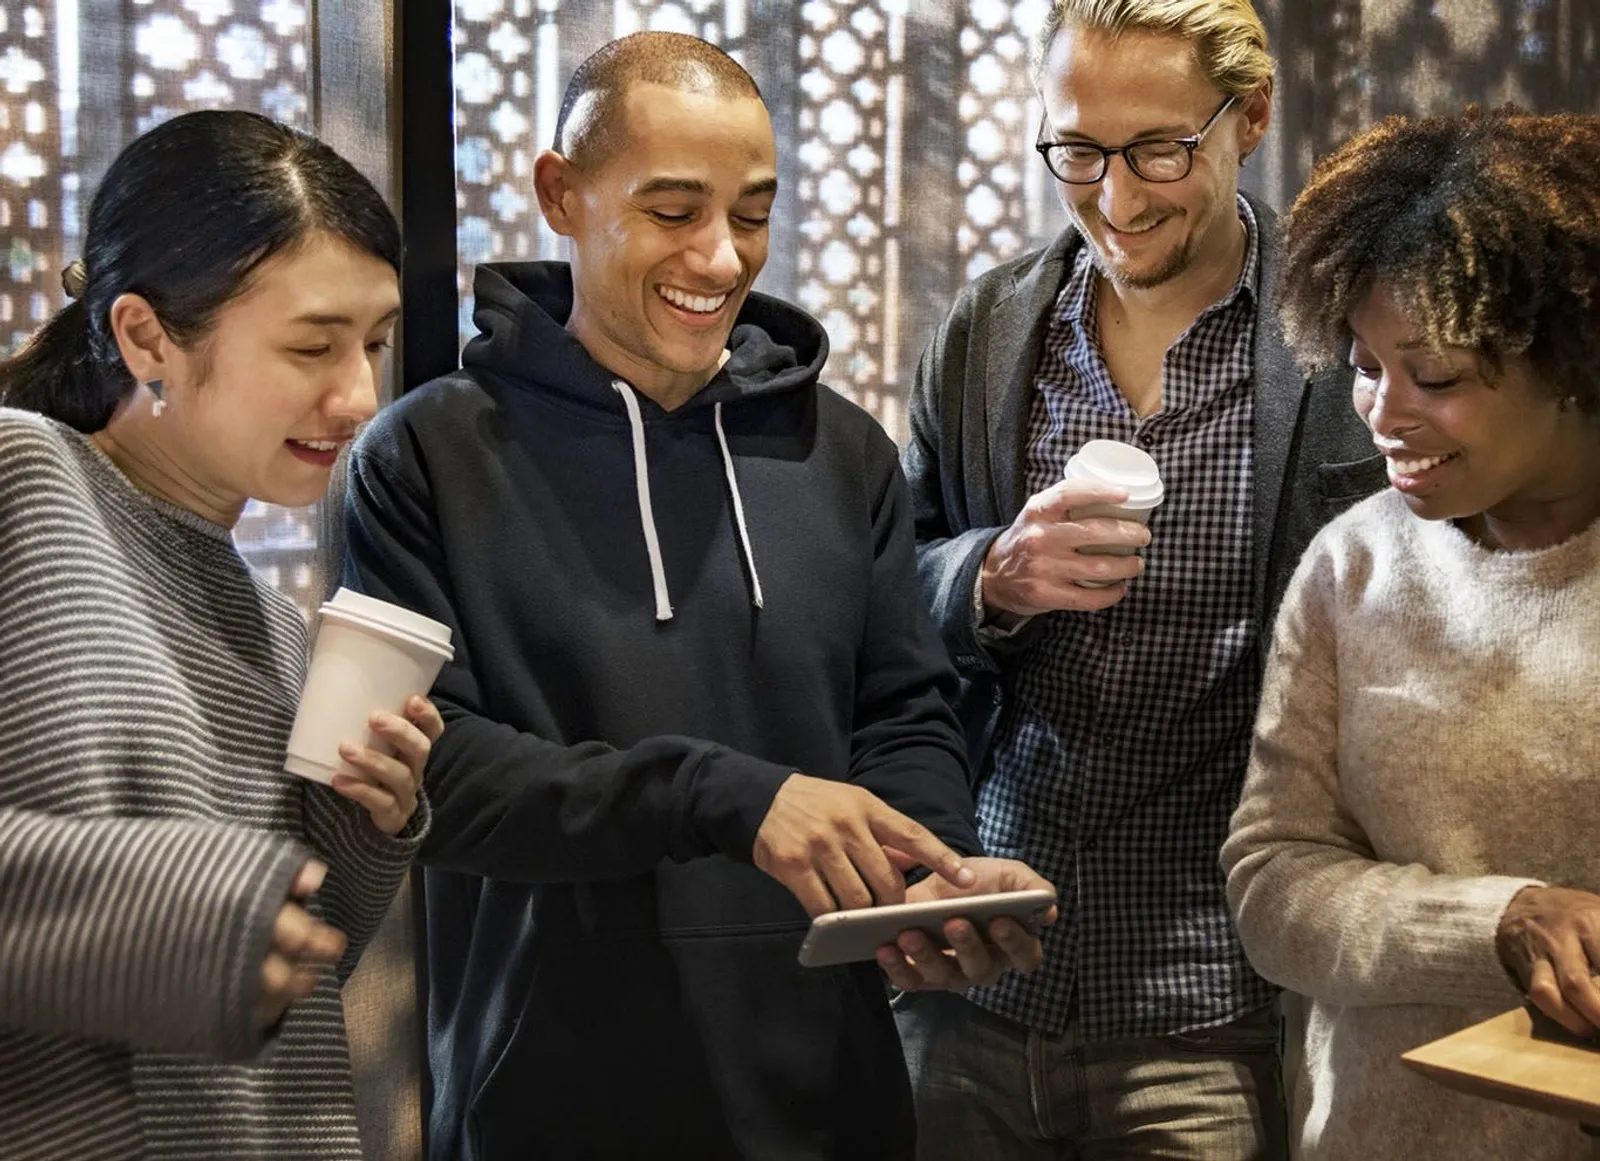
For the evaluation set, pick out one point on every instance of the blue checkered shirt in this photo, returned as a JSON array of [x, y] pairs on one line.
[[1122, 747]]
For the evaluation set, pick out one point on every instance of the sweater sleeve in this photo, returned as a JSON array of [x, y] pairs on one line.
[[1318, 911], [906, 745], [507, 804], [365, 866], [147, 932]]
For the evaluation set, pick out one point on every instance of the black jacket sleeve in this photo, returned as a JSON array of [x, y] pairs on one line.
[[906, 746]]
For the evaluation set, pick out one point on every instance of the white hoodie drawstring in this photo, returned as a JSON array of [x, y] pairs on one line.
[[738, 509], [641, 477], [652, 540]]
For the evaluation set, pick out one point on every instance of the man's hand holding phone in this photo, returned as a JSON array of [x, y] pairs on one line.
[[915, 963], [835, 845]]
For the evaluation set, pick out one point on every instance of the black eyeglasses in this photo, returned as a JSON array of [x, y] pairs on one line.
[[1084, 163]]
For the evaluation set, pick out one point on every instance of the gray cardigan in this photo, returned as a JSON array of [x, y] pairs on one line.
[[970, 404]]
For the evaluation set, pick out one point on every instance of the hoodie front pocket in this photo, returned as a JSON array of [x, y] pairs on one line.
[[604, 1062]]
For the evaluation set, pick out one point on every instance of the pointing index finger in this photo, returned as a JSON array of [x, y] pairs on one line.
[[911, 838]]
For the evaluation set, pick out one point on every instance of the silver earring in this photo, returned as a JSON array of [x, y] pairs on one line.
[[155, 386]]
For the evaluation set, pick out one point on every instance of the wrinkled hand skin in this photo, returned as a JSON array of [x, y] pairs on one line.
[[1549, 940]]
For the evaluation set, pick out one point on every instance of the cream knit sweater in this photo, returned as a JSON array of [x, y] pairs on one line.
[[1427, 746]]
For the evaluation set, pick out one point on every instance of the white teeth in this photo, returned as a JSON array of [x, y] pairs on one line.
[[318, 444], [1412, 467], [698, 303]]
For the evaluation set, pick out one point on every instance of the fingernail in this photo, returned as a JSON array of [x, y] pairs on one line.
[[349, 750], [965, 877]]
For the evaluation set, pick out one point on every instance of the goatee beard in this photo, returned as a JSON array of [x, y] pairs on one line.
[[1175, 264]]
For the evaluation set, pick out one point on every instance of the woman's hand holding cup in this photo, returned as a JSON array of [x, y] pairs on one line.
[[389, 786]]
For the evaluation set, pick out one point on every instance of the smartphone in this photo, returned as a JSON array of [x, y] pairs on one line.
[[855, 935]]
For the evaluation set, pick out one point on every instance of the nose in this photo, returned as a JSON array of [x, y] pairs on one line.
[[1386, 407], [354, 397], [1122, 195], [713, 256]]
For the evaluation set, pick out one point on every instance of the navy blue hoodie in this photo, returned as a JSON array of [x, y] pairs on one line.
[[609, 974]]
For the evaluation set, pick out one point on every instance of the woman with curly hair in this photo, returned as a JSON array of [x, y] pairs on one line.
[[1414, 850]]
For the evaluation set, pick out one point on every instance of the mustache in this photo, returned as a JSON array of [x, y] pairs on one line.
[[1093, 216]]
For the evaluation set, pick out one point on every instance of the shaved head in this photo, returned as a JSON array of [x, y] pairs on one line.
[[590, 127]]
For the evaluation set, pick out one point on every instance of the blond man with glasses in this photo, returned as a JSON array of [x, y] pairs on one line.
[[1109, 698]]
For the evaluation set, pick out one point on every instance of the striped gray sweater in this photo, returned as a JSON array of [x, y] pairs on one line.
[[148, 834]]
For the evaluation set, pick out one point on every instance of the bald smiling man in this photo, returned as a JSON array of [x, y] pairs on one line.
[[696, 696]]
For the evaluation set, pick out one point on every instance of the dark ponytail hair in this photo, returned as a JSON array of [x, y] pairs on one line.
[[184, 216]]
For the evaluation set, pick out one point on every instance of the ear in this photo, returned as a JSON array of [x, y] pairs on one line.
[[1257, 110], [554, 183], [147, 350]]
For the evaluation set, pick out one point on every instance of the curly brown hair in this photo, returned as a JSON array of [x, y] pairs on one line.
[[1485, 225]]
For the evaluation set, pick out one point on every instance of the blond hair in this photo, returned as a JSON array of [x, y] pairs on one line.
[[1228, 37]]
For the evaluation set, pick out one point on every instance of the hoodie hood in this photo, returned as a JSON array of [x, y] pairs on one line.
[[521, 313]]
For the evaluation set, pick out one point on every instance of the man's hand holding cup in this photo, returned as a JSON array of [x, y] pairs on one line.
[[1074, 546], [1037, 566]]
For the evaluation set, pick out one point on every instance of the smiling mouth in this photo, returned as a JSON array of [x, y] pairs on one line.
[[693, 303], [320, 445], [1416, 467], [1134, 233]]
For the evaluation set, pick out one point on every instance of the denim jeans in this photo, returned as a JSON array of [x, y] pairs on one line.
[[990, 1089]]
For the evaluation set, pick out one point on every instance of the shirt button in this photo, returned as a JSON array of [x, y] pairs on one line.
[[1146, 438]]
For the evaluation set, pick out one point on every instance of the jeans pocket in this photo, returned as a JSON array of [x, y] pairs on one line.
[[902, 1001]]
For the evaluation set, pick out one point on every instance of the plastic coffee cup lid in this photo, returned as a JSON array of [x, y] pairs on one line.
[[360, 607], [1121, 465]]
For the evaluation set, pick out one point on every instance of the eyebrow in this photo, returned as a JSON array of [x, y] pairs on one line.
[[691, 185], [1409, 345], [339, 320], [1159, 133]]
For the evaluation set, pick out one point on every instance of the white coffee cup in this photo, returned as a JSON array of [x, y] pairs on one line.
[[369, 655], [1118, 465]]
